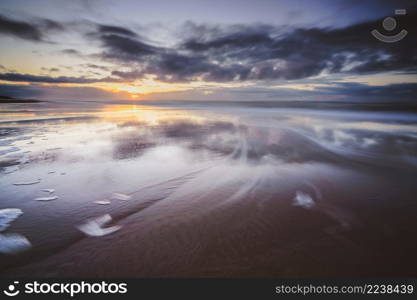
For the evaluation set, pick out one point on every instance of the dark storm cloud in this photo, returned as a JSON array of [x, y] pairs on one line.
[[263, 52], [19, 29], [302, 53], [206, 37], [34, 31], [125, 48], [47, 79], [122, 44], [116, 30]]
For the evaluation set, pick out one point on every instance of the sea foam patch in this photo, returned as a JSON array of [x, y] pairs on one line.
[[13, 243], [303, 199], [102, 202], [27, 182], [120, 196], [47, 198], [95, 227], [8, 215]]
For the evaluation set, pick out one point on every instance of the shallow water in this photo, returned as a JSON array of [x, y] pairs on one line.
[[209, 191]]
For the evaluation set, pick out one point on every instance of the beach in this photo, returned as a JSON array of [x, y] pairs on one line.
[[207, 191]]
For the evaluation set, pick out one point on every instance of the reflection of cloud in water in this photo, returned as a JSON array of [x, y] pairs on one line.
[[226, 138], [300, 137]]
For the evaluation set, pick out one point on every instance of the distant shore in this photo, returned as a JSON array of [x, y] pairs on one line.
[[5, 99]]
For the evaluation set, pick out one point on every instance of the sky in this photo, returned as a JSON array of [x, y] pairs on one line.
[[236, 50]]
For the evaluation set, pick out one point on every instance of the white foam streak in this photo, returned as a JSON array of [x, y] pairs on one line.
[[13, 243], [303, 199], [7, 215], [95, 227]]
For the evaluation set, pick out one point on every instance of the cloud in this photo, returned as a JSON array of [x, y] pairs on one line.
[[17, 77], [125, 48], [258, 53], [261, 52], [97, 67], [109, 29], [50, 70], [234, 53], [72, 52], [34, 31]]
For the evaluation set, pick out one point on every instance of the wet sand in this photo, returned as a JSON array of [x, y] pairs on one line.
[[215, 195]]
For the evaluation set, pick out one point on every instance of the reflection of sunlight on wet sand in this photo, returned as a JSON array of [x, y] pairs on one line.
[[146, 114]]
